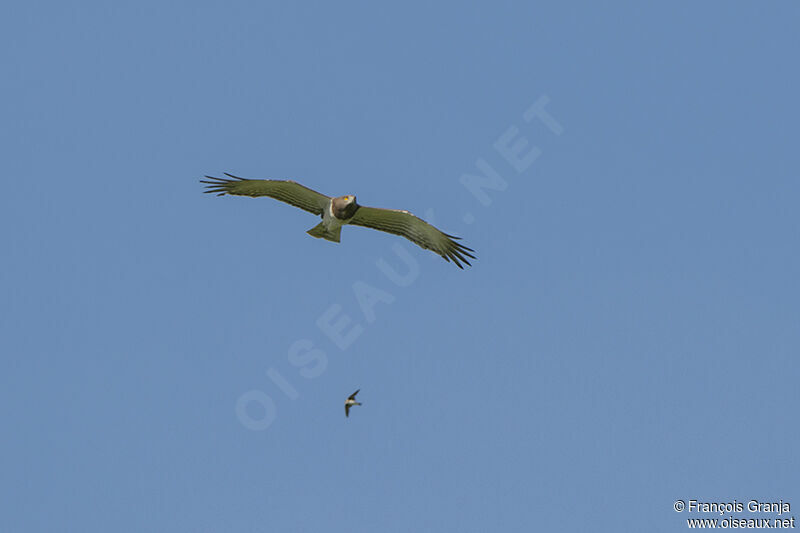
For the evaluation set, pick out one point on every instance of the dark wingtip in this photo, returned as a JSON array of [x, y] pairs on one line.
[[215, 185], [464, 260], [465, 252]]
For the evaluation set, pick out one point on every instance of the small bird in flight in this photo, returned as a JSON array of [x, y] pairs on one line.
[[336, 212], [349, 402]]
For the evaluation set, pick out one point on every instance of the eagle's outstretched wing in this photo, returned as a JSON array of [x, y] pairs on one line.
[[284, 190], [414, 229]]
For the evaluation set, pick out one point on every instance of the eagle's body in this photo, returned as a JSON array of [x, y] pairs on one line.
[[336, 214], [339, 211]]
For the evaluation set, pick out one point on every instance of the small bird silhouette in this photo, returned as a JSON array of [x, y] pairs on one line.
[[349, 402]]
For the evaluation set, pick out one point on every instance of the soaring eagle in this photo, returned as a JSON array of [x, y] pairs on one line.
[[336, 212]]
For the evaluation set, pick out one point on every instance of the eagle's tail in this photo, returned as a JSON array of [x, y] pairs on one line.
[[321, 232]]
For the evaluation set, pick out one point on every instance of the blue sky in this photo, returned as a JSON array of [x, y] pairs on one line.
[[627, 337]]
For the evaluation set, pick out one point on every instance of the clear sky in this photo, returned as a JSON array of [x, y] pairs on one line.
[[177, 362]]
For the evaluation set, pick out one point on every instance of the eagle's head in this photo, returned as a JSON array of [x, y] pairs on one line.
[[344, 207]]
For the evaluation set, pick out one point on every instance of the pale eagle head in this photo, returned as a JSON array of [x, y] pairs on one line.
[[344, 207]]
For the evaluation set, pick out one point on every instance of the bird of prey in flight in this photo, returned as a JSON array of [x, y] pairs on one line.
[[349, 402], [336, 212]]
